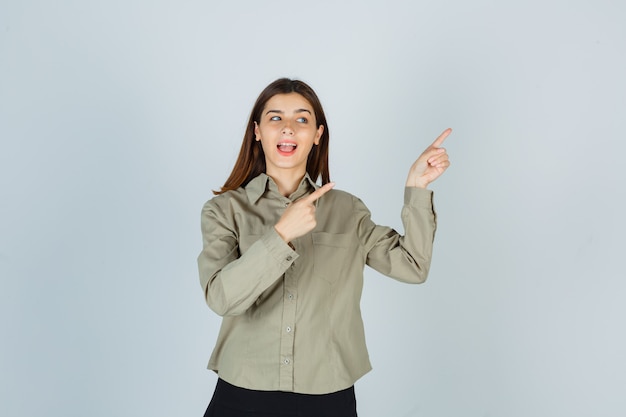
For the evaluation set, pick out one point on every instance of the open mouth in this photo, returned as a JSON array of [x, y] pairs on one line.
[[286, 148]]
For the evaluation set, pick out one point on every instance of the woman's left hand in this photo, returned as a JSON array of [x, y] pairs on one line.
[[430, 165]]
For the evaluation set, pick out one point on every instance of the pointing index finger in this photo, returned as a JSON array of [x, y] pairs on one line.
[[311, 198], [437, 143]]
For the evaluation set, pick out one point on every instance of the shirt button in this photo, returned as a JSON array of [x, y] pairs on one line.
[[289, 258], [288, 329], [286, 361], [290, 296]]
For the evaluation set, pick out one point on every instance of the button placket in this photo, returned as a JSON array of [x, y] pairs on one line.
[[287, 340]]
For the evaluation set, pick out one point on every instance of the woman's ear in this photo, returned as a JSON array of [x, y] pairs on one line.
[[257, 136], [318, 135]]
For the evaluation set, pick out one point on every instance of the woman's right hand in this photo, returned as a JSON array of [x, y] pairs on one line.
[[299, 217]]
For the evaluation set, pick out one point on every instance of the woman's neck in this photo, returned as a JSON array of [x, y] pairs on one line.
[[287, 182]]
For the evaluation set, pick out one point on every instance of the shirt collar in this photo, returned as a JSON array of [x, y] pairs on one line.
[[261, 183]]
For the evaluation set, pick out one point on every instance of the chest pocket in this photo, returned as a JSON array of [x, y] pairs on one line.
[[332, 255]]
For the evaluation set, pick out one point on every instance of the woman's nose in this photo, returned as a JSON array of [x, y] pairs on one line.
[[287, 130]]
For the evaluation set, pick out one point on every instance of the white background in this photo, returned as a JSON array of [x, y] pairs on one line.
[[118, 118]]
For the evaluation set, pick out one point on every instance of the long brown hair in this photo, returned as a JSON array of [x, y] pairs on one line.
[[251, 159]]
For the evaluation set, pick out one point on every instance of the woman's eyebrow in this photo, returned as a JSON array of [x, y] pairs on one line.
[[295, 111]]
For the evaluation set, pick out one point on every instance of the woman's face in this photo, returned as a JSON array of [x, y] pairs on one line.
[[287, 131]]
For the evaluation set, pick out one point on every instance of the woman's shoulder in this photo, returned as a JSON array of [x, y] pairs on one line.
[[225, 199], [344, 200], [340, 194], [342, 197]]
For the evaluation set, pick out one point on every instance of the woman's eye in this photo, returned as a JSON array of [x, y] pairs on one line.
[[275, 118], [302, 120]]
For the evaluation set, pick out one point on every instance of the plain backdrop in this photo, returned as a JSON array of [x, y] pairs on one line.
[[118, 118]]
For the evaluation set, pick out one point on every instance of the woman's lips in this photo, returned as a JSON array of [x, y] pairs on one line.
[[286, 148]]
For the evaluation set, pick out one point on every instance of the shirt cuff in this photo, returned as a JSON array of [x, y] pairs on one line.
[[278, 248], [418, 197]]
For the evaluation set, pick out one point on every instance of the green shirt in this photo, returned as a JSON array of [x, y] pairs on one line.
[[291, 316]]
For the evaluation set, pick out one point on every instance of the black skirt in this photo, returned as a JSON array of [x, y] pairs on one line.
[[231, 401]]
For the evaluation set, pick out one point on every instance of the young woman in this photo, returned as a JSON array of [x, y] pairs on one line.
[[283, 258]]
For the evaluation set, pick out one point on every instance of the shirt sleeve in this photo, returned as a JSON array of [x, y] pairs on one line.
[[403, 257], [233, 282]]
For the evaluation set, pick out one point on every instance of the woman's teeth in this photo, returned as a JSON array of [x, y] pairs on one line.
[[286, 147]]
